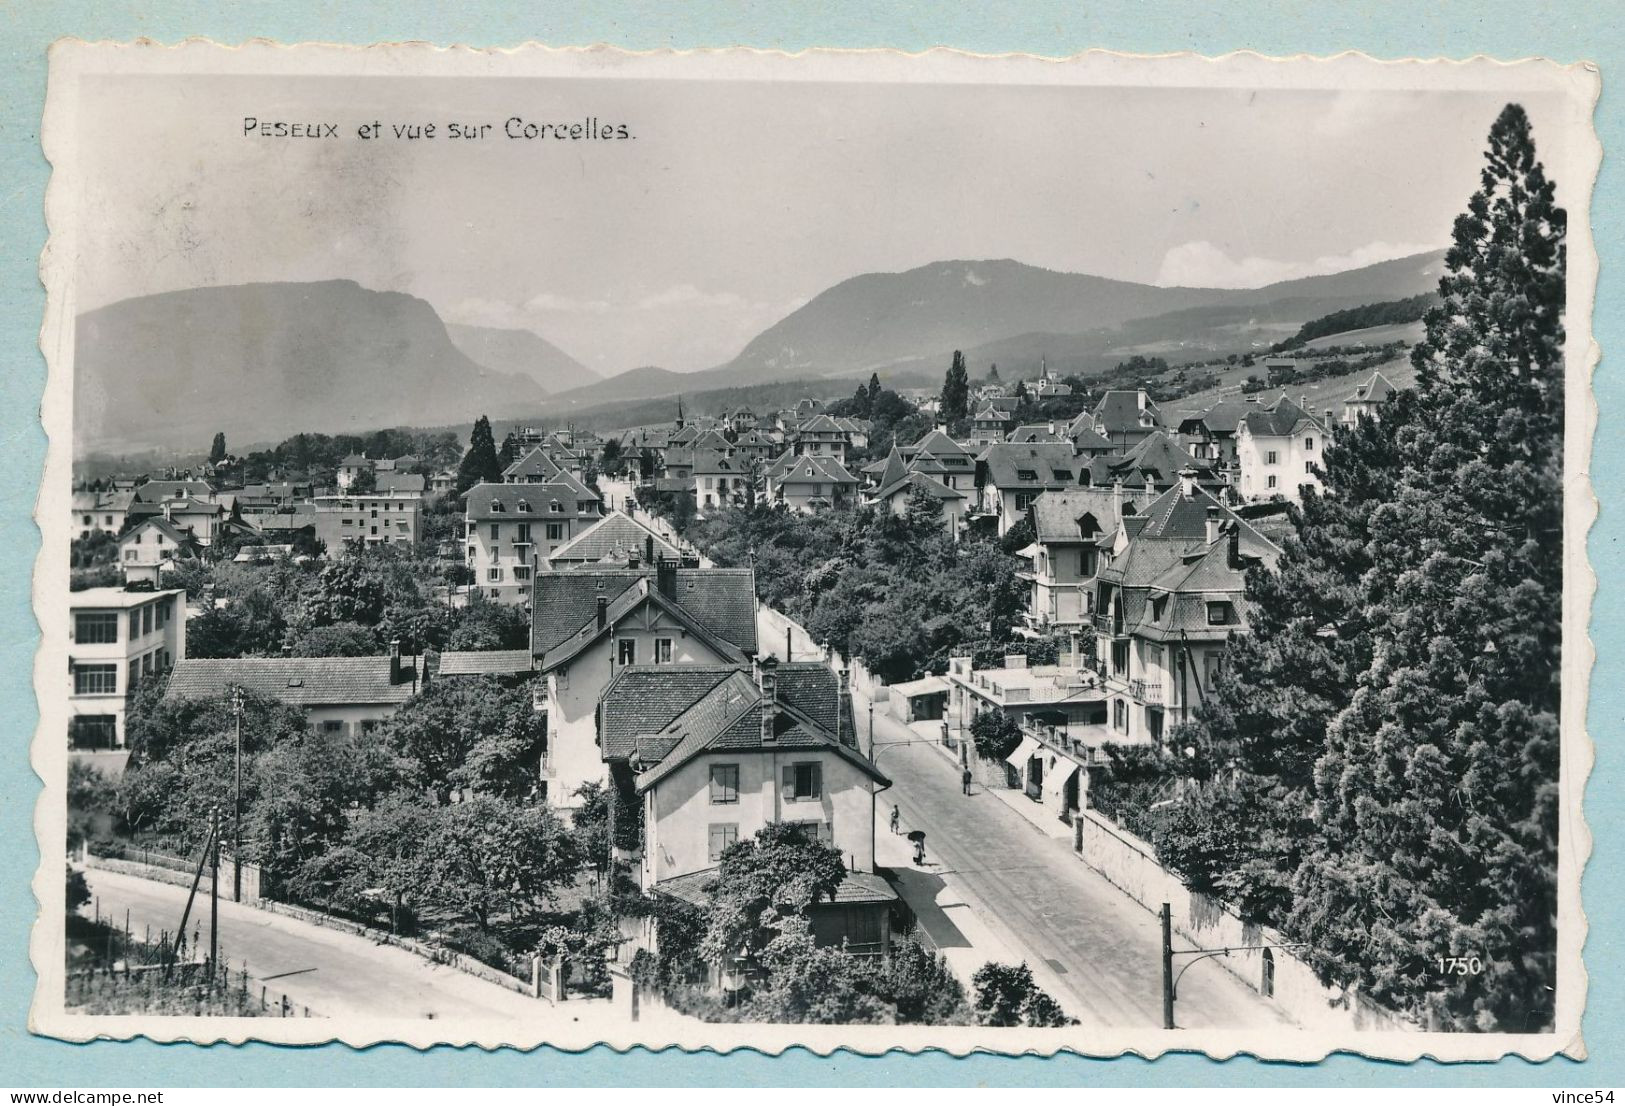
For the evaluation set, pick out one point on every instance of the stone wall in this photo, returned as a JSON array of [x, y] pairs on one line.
[[1201, 921]]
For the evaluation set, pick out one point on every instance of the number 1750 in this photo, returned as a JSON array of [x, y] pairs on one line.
[[1459, 965]]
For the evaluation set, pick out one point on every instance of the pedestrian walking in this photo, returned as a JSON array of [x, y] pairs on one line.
[[896, 818], [964, 779], [919, 848]]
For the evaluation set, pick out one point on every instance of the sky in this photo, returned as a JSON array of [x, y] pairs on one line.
[[732, 204]]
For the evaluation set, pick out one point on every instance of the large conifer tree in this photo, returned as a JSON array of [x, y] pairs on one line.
[[480, 464], [1437, 793], [956, 390]]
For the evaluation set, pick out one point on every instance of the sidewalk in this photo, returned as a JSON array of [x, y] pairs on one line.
[[950, 921], [1042, 817]]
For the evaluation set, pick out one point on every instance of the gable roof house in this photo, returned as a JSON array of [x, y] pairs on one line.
[[1278, 449], [339, 695], [587, 623], [1011, 476], [1368, 398], [1153, 465], [991, 424], [1124, 417], [1073, 528], [822, 435], [615, 540], [718, 479], [534, 467], [1170, 596], [811, 482], [103, 511], [714, 753], [511, 530], [898, 482], [1210, 435]]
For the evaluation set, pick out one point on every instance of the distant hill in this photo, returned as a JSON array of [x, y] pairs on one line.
[[520, 353], [264, 361], [908, 324]]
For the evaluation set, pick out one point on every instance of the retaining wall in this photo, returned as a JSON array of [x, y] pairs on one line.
[[1202, 921]]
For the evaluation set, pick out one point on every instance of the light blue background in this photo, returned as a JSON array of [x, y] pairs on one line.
[[1564, 31]]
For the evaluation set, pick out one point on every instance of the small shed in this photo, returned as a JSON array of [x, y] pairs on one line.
[[919, 700]]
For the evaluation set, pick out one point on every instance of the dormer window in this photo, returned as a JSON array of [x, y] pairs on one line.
[[1026, 474], [524, 506], [1218, 613], [1157, 607], [497, 507], [555, 507]]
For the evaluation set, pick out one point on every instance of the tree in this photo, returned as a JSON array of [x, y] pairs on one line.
[[1439, 782], [217, 451], [955, 391], [1006, 995], [873, 395], [480, 465], [996, 734], [509, 453], [763, 881], [470, 732], [590, 824], [364, 482], [341, 639], [612, 460]]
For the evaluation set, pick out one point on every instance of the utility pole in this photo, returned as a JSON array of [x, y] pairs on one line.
[[237, 802], [787, 656], [1167, 968], [214, 898]]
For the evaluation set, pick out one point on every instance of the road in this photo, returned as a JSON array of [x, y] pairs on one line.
[[1103, 946], [337, 973]]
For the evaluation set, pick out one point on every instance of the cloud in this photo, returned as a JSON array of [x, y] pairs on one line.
[[1204, 265], [686, 295], [568, 305]]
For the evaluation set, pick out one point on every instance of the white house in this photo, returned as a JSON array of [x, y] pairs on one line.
[[117, 638], [510, 531], [588, 623], [1277, 451]]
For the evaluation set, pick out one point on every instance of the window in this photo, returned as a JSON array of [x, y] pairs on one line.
[[95, 679], [662, 650], [803, 782], [1269, 458], [1309, 445], [1309, 467], [133, 676], [1086, 562], [821, 832], [146, 665], [1024, 500], [724, 783], [1266, 985], [498, 507], [93, 731], [1120, 715], [146, 620], [1153, 722], [493, 574], [1212, 664], [627, 651], [1153, 656], [555, 531], [135, 625], [1119, 658], [332, 726], [369, 726], [1218, 614], [524, 534], [496, 531], [521, 572], [1271, 482], [95, 629], [555, 507], [1027, 476], [721, 836]]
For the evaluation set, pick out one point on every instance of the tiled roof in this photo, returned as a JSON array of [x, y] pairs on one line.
[[156, 491], [1375, 390], [1279, 420], [646, 698], [527, 501], [401, 483], [533, 464], [1034, 465], [919, 480], [297, 681], [1223, 417], [721, 600], [486, 662], [810, 469], [990, 413], [821, 424], [1035, 432], [1156, 453], [160, 524], [615, 533], [938, 443], [855, 888], [1118, 412], [1057, 514]]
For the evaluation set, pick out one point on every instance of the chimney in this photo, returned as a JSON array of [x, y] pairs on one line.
[[648, 549], [169, 510], [843, 688], [1212, 524], [603, 610], [1117, 499], [1328, 414], [395, 660], [767, 682], [1235, 546], [1187, 482], [666, 577]]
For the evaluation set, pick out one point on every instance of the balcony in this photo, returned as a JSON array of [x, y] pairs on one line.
[[1106, 624], [1146, 691]]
